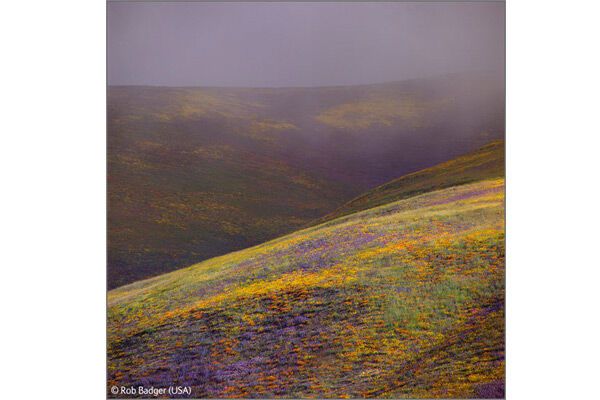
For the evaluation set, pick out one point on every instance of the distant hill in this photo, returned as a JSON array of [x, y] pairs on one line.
[[198, 172], [485, 163], [404, 300]]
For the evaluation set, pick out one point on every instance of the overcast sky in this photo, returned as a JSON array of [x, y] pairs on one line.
[[300, 44]]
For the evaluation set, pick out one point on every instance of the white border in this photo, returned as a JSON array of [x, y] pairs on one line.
[[552, 199], [53, 199]]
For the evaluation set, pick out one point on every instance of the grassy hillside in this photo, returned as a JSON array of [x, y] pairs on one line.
[[198, 172], [170, 208], [401, 300], [194, 174], [485, 163]]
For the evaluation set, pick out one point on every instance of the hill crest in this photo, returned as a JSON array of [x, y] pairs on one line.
[[486, 162]]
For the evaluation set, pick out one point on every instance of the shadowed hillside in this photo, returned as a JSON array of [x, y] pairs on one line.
[[484, 163], [198, 172], [401, 300]]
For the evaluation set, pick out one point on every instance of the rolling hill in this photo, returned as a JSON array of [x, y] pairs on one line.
[[195, 173], [486, 162], [404, 299]]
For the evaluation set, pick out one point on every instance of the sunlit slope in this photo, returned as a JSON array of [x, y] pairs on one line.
[[484, 163], [402, 300]]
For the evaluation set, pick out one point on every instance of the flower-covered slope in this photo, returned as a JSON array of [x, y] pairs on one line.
[[402, 300]]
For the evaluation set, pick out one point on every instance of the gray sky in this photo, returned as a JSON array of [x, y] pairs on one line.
[[300, 44]]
